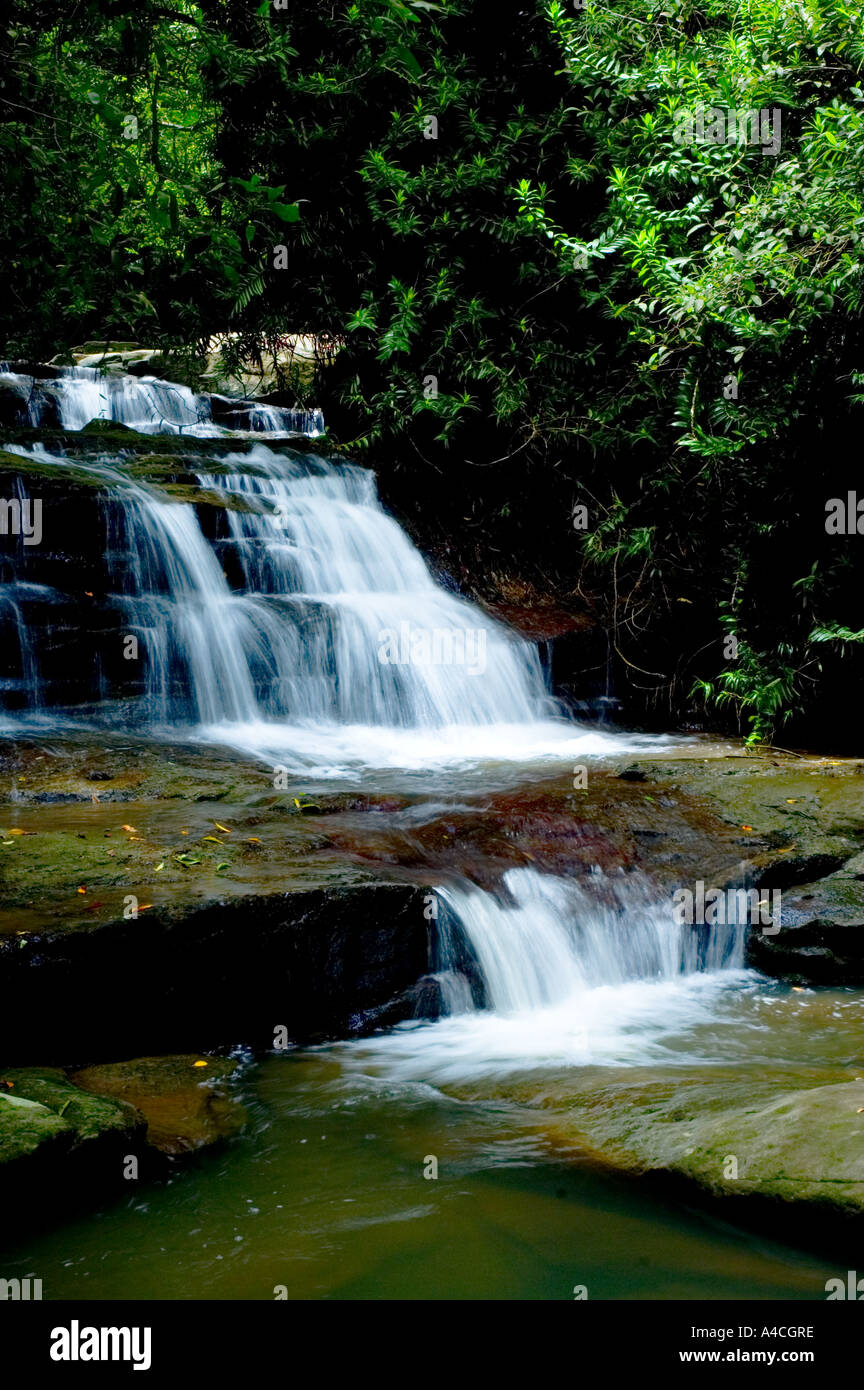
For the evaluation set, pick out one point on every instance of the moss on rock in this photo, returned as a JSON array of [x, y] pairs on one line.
[[40, 1107]]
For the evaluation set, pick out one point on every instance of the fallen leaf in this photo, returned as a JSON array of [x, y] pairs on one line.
[[223, 828], [16, 831], [213, 840], [159, 867], [253, 840], [130, 828], [746, 827], [82, 890], [200, 1064], [223, 865]]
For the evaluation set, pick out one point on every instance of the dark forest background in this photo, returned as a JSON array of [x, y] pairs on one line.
[[527, 295]]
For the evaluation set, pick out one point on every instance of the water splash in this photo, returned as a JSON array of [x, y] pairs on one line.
[[574, 974]]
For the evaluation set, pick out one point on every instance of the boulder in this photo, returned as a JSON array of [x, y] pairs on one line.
[[44, 1116], [186, 1100], [13, 404], [821, 937]]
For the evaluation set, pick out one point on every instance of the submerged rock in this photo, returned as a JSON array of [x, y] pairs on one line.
[[186, 1100]]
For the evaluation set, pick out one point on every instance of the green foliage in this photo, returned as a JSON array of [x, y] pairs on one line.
[[118, 219], [763, 686], [495, 210], [836, 633]]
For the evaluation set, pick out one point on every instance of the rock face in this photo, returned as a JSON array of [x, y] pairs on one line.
[[186, 1101], [822, 935], [732, 1133], [245, 915], [231, 972], [784, 824]]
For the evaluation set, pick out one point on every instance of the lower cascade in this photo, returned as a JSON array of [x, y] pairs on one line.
[[571, 974]]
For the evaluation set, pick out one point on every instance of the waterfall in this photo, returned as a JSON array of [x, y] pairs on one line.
[[299, 624], [74, 396], [573, 973], [23, 687], [320, 575], [544, 939]]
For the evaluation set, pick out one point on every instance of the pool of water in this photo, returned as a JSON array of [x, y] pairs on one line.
[[325, 1195]]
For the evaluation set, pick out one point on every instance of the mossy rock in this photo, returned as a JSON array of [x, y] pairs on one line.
[[40, 1106], [26, 1126], [110, 428], [24, 467]]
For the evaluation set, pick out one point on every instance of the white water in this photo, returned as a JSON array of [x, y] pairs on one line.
[[292, 633], [574, 976], [310, 632], [146, 404]]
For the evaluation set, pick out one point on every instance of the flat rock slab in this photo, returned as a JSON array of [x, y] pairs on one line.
[[732, 1133], [186, 1100]]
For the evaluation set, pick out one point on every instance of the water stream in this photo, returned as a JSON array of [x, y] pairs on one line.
[[310, 633], [77, 395]]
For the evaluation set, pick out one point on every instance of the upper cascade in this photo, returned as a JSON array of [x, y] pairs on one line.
[[70, 397], [297, 621]]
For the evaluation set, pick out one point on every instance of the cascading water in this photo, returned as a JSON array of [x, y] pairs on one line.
[[307, 629], [321, 576], [74, 396], [573, 975]]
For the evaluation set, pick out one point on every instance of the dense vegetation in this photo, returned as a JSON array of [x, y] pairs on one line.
[[548, 292]]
